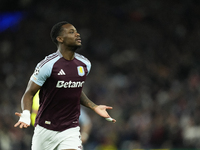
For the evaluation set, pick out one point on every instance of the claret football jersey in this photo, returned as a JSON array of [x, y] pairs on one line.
[[61, 84]]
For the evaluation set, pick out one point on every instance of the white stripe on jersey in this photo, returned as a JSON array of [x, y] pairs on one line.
[[44, 69]]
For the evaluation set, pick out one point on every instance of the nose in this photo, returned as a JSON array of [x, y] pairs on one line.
[[78, 34]]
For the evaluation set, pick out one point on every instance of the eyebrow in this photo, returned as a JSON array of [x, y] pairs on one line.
[[72, 30]]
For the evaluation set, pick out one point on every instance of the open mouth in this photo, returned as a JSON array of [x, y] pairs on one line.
[[78, 40]]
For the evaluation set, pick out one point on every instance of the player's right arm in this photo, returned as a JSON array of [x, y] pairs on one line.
[[26, 104], [41, 73]]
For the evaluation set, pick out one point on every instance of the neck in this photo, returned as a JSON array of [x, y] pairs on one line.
[[68, 54]]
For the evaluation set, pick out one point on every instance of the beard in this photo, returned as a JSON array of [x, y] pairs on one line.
[[74, 48]]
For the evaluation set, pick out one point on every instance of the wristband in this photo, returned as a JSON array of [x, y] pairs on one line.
[[25, 117]]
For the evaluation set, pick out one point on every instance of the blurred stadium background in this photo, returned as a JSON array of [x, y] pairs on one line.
[[145, 58]]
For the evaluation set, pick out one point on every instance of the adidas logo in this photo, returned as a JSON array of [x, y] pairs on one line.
[[61, 72]]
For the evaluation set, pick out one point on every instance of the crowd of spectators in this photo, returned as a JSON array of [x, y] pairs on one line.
[[145, 63]]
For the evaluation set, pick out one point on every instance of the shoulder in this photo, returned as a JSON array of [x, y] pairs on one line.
[[83, 59], [48, 60], [44, 67]]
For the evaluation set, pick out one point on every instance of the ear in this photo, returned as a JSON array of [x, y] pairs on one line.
[[59, 39]]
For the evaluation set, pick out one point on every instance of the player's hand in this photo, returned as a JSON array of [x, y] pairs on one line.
[[24, 120], [101, 110]]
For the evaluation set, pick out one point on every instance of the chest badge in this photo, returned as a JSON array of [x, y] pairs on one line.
[[81, 71]]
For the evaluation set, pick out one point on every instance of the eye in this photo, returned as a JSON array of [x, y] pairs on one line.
[[72, 31]]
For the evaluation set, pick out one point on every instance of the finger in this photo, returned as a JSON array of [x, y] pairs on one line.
[[113, 120], [109, 107], [26, 125], [106, 115], [22, 125], [110, 119], [18, 114], [16, 124]]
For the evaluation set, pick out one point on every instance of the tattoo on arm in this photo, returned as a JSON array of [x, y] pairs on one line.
[[85, 101]]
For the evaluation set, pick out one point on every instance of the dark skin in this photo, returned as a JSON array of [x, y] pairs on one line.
[[68, 41]]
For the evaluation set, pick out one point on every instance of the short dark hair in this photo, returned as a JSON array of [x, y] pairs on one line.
[[56, 30]]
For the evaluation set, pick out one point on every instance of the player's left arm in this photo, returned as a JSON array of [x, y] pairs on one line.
[[99, 109]]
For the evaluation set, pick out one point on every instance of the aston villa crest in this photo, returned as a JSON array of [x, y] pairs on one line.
[[81, 71]]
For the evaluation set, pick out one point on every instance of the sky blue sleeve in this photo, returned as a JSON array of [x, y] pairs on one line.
[[41, 74]]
